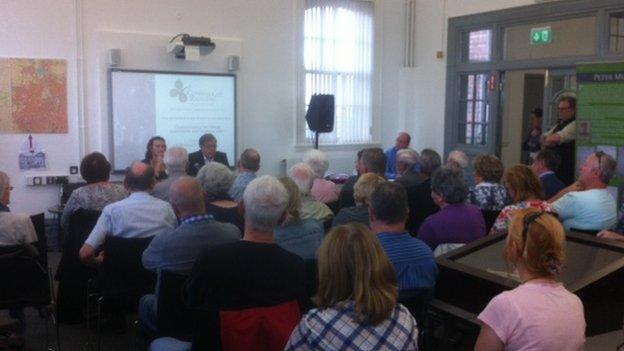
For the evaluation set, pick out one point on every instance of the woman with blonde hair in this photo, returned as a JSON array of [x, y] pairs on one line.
[[299, 236], [540, 314], [525, 189], [356, 298], [362, 190]]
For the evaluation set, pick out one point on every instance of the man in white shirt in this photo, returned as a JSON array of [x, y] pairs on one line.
[[562, 138], [138, 216], [586, 204], [15, 228]]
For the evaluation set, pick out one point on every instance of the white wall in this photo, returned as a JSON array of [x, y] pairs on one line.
[[410, 99]]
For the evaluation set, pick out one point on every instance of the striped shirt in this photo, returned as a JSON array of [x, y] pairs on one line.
[[412, 260]]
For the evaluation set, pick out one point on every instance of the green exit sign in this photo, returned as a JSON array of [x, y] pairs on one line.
[[542, 35]]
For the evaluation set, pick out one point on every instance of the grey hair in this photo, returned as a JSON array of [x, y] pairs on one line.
[[265, 200], [318, 161], [460, 158], [449, 183], [4, 183], [606, 166], [303, 176], [215, 178], [176, 158], [408, 156], [430, 161]]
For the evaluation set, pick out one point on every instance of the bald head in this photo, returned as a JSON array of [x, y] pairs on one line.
[[139, 177], [403, 140], [186, 197], [250, 160]]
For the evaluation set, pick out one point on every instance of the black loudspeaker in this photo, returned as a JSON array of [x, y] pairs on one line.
[[320, 115]]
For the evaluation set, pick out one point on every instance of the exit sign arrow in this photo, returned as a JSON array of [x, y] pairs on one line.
[[541, 35]]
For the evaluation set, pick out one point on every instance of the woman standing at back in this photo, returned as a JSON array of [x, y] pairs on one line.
[[540, 314], [356, 298]]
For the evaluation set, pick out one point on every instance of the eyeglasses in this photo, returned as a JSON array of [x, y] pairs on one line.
[[563, 108], [599, 155], [10, 187]]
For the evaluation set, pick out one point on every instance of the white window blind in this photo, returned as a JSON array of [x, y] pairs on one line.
[[338, 60]]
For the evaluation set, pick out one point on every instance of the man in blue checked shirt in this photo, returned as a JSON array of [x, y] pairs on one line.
[[177, 250]]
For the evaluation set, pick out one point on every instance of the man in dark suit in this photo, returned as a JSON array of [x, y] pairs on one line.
[[207, 153], [545, 164]]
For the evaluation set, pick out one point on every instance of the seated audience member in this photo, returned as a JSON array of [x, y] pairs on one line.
[[459, 161], [420, 202], [99, 192], [545, 163], [176, 159], [177, 250], [155, 156], [248, 165], [412, 259], [216, 180], [402, 142], [371, 160], [15, 228], [206, 154], [356, 298], [138, 216], [253, 272], [457, 222], [488, 194], [408, 168], [323, 190], [303, 176], [299, 236], [540, 314], [362, 191], [587, 204], [525, 191]]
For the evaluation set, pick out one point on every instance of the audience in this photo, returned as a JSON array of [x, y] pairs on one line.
[[421, 203], [323, 190], [206, 154], [253, 272], [154, 156], [176, 160], [371, 160], [402, 142], [412, 259], [545, 164], [408, 168], [15, 228], [303, 176], [458, 160], [488, 194], [216, 179], [356, 299], [540, 314], [457, 222], [362, 190], [99, 192], [138, 216], [587, 204], [299, 236], [248, 165], [525, 190], [177, 250]]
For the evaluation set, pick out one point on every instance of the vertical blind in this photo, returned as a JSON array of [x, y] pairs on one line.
[[338, 59]]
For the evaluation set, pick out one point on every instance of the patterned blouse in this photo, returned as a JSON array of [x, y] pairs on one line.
[[488, 196], [501, 225], [92, 197], [335, 329]]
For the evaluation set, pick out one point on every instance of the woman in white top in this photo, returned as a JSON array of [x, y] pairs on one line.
[[540, 314]]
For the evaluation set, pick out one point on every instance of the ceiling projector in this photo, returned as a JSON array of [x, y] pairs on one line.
[[178, 44]]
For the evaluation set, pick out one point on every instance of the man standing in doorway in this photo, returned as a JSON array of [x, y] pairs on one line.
[[561, 138]]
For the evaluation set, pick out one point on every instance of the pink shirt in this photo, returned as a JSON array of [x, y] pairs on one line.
[[537, 315], [324, 191]]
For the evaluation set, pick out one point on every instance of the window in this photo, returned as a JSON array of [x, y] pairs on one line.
[[477, 45], [616, 32], [473, 110], [338, 60]]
